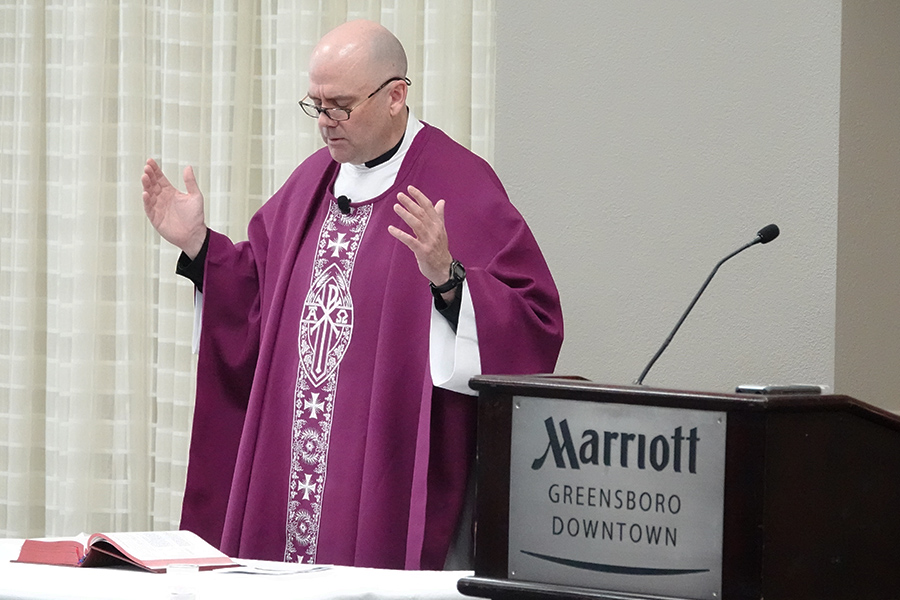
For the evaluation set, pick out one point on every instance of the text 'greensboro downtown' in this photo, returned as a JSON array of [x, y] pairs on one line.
[[676, 453]]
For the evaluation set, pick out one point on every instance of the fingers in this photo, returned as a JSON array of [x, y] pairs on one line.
[[418, 211], [155, 182], [407, 210], [149, 176], [150, 185], [153, 178], [408, 240], [156, 188], [421, 198], [416, 202], [427, 235], [190, 182]]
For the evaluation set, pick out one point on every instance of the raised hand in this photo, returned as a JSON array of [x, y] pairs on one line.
[[428, 240], [177, 216]]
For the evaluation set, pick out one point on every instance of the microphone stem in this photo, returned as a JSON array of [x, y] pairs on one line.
[[640, 380]]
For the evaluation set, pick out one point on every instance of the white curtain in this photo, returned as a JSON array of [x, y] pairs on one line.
[[96, 371]]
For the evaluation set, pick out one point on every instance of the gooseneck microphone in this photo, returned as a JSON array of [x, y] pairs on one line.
[[763, 236]]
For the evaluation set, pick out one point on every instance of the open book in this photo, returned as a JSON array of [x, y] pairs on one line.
[[150, 550]]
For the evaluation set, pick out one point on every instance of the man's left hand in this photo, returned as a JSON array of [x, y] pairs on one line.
[[428, 240]]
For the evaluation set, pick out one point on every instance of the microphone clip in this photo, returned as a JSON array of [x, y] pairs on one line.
[[343, 203]]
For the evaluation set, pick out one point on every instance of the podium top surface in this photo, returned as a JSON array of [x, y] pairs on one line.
[[579, 388]]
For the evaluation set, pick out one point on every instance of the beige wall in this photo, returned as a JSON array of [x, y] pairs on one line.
[[867, 362], [645, 141]]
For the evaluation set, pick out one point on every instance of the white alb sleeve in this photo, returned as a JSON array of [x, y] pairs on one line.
[[198, 321], [454, 357]]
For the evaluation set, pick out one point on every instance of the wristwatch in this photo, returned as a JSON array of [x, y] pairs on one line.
[[457, 276]]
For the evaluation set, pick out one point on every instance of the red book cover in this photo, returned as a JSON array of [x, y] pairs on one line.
[[149, 550]]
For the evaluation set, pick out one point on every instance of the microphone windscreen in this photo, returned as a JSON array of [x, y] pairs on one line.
[[768, 233]]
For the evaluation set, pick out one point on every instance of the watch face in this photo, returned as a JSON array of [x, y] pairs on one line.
[[457, 271]]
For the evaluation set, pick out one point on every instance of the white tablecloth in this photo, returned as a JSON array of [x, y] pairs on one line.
[[39, 582]]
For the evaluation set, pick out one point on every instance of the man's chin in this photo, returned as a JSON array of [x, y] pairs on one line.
[[338, 154], [341, 157]]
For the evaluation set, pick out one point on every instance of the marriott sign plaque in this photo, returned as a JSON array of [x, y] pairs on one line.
[[587, 491], [617, 497]]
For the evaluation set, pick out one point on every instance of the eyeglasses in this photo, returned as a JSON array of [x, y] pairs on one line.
[[342, 114]]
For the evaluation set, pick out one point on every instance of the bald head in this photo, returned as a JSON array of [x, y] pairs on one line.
[[363, 49], [358, 66]]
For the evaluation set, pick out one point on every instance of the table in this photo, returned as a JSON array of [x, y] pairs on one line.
[[42, 582]]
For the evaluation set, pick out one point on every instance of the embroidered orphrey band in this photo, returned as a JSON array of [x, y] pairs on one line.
[[326, 327]]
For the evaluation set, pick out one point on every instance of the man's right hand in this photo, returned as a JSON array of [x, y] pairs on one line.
[[177, 216]]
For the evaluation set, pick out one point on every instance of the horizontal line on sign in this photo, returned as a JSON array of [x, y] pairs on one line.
[[616, 569]]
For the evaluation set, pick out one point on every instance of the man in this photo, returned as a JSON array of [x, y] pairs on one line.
[[329, 425]]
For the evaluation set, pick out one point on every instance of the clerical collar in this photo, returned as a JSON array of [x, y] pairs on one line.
[[386, 156], [361, 183]]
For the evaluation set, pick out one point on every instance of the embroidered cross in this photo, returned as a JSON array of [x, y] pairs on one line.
[[307, 486], [314, 405], [338, 245]]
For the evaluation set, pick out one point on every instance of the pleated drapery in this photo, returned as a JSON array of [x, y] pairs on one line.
[[96, 370]]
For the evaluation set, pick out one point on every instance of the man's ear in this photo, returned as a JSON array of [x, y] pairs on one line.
[[398, 98]]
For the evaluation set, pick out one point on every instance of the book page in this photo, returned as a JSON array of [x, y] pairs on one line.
[[172, 546], [54, 551]]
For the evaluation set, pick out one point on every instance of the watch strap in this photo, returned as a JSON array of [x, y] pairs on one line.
[[457, 276]]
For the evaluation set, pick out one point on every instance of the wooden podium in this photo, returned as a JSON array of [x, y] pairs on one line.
[[593, 491]]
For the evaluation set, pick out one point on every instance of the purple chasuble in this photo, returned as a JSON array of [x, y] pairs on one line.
[[318, 435]]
